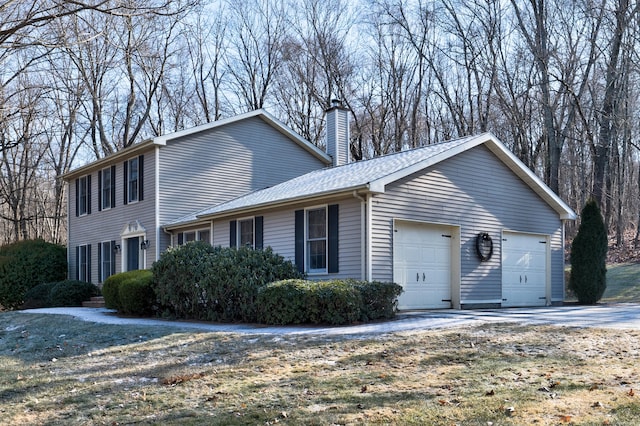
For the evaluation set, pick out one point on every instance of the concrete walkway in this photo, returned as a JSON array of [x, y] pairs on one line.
[[617, 316]]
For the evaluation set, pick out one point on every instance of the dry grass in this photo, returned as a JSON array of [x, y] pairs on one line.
[[54, 370]]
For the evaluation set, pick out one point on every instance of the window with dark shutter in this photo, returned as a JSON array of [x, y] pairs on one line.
[[299, 240], [259, 232], [233, 236], [332, 252]]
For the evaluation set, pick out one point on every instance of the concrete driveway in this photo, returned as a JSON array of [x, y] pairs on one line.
[[617, 316]]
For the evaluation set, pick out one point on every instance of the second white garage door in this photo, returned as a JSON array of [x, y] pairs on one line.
[[524, 270], [422, 265]]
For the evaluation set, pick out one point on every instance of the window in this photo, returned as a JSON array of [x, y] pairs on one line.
[[83, 257], [199, 235], [204, 235], [106, 259], [317, 240], [106, 182], [83, 195], [245, 233], [133, 179]]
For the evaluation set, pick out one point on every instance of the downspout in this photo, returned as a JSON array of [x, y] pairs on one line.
[[157, 203], [363, 235]]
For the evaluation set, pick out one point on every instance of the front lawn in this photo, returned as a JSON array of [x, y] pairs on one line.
[[56, 370]]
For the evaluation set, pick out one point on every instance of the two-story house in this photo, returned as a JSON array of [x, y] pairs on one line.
[[459, 224], [117, 205]]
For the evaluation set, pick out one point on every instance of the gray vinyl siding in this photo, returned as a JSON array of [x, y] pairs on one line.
[[107, 225], [279, 234], [477, 192], [220, 164], [338, 135]]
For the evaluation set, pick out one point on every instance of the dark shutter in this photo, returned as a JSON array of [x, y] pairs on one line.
[[113, 257], [99, 262], [258, 223], [299, 239], [89, 263], [233, 234], [332, 223], [141, 178], [180, 238], [125, 173], [77, 197], [89, 194], [113, 187], [77, 262], [99, 194]]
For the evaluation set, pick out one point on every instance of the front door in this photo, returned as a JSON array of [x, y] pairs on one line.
[[133, 253]]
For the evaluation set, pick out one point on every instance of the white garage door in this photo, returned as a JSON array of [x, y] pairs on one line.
[[524, 270], [422, 265]]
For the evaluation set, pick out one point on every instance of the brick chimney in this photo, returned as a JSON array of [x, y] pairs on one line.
[[337, 117]]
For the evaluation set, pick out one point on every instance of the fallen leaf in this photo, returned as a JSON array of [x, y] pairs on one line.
[[597, 404], [564, 418], [490, 393], [363, 389], [594, 386], [631, 392], [444, 402]]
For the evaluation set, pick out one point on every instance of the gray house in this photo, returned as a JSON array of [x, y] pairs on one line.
[[117, 205], [460, 224]]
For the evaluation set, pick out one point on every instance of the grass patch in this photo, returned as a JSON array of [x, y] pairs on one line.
[[623, 283], [56, 370]]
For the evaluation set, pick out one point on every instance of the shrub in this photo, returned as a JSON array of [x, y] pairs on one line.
[[136, 295], [332, 302], [71, 293], [588, 279], [283, 302], [198, 281], [38, 296], [24, 265], [379, 299], [113, 284]]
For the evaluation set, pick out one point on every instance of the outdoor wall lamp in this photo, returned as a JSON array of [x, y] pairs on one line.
[[116, 248], [145, 244]]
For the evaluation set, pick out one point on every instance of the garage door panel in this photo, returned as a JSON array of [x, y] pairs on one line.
[[524, 270], [422, 260]]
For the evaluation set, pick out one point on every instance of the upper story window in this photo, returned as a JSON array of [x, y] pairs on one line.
[[133, 179], [107, 188], [316, 243], [83, 195]]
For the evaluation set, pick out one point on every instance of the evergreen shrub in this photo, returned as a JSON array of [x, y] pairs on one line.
[[335, 302], [71, 293], [198, 281], [113, 284], [24, 265], [588, 279], [136, 294], [38, 296]]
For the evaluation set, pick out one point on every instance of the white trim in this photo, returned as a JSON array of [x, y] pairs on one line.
[[369, 259], [157, 203]]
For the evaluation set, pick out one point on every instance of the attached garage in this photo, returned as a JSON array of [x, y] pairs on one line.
[[425, 264], [525, 262]]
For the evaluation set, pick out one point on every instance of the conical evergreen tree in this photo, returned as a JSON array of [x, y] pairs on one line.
[[588, 256]]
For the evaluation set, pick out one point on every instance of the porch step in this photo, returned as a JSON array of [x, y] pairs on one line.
[[94, 302]]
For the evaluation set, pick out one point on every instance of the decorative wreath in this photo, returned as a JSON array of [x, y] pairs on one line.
[[484, 246]]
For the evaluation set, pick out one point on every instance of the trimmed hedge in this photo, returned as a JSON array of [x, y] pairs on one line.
[[71, 293], [113, 285], [24, 265], [136, 295], [331, 302], [60, 293], [198, 281]]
